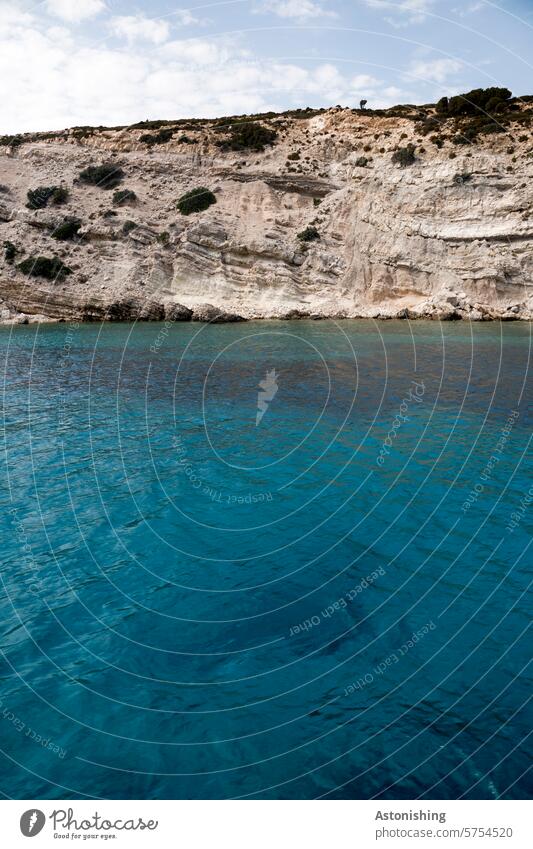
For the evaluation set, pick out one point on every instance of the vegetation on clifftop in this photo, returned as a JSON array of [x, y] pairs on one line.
[[475, 102], [161, 137], [248, 135]]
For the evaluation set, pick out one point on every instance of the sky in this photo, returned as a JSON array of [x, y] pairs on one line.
[[67, 63]]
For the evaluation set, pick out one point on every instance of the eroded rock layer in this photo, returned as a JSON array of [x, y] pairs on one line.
[[319, 223]]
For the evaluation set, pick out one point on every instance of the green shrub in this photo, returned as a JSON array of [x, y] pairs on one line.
[[404, 156], [317, 201], [80, 133], [128, 226], [362, 162], [496, 104], [294, 157], [163, 238], [9, 252], [429, 125], [38, 198], [475, 101], [106, 176], [42, 266], [491, 128], [185, 140], [60, 195], [124, 196], [68, 229], [162, 137], [310, 234], [150, 125], [196, 201], [248, 136], [11, 141]]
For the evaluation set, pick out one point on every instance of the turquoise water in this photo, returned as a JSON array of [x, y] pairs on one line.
[[328, 602]]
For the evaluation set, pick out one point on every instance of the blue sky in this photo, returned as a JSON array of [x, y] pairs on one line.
[[71, 62]]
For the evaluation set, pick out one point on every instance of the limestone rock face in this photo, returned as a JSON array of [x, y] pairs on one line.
[[450, 237]]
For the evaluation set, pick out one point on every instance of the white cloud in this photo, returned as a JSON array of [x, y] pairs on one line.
[[71, 81], [186, 19], [138, 28], [415, 6], [75, 10], [61, 35], [405, 6], [435, 70], [469, 10], [362, 81], [199, 52], [11, 17], [404, 13], [299, 9], [378, 95]]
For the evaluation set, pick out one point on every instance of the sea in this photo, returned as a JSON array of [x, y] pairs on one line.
[[266, 560]]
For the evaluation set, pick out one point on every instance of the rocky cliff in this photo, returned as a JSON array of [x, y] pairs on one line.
[[322, 221]]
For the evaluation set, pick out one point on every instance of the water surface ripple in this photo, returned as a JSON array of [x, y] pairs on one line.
[[266, 560]]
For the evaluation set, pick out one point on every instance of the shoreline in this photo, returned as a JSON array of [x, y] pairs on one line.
[[25, 320]]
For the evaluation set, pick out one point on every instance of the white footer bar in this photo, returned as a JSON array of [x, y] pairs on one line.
[[267, 825]]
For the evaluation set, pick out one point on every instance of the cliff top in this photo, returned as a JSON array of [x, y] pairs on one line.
[[486, 117]]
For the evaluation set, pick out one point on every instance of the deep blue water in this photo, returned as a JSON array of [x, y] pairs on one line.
[[194, 605]]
